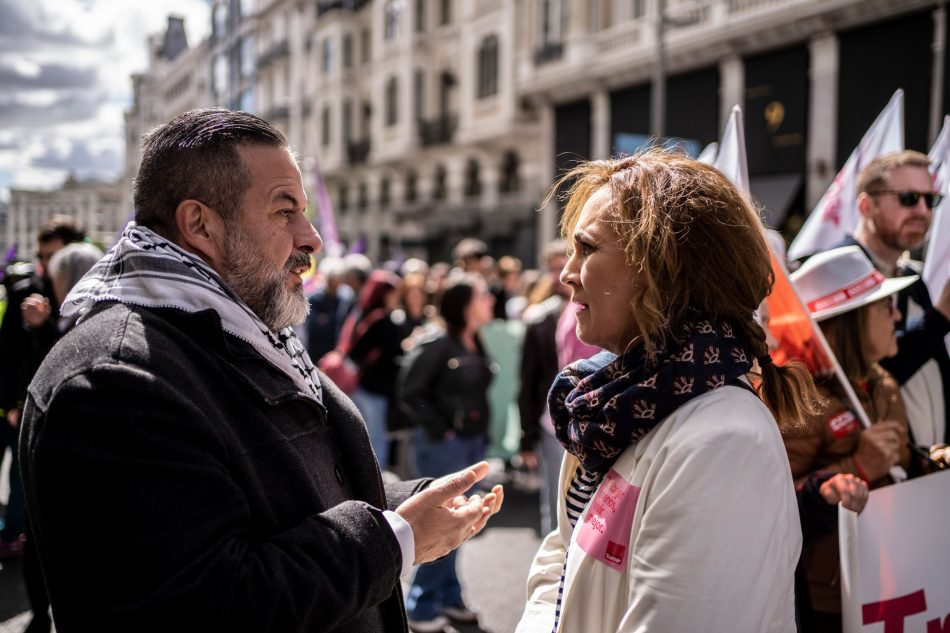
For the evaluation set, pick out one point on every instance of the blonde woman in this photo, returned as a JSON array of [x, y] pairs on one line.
[[676, 509]]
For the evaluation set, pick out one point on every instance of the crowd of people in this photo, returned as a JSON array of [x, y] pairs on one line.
[[316, 449]]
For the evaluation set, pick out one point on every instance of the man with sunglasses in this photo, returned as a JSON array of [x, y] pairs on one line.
[[896, 199]]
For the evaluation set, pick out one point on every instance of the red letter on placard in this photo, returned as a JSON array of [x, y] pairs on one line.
[[892, 612], [934, 626]]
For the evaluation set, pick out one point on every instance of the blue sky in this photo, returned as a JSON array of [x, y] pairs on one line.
[[65, 69]]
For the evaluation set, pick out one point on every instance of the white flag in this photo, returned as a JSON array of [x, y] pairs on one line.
[[708, 155], [731, 159], [937, 261], [836, 214]]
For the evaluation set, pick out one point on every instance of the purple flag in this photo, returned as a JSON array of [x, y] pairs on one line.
[[331, 238], [359, 246]]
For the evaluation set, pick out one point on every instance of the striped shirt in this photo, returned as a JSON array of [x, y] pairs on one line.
[[581, 490]]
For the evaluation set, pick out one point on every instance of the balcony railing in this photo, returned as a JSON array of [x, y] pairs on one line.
[[278, 50], [357, 151], [324, 6], [549, 52], [437, 131], [278, 112]]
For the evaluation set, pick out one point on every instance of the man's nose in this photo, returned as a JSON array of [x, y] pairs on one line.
[[307, 239]]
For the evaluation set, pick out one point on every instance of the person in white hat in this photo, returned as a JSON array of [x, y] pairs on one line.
[[854, 304], [897, 201]]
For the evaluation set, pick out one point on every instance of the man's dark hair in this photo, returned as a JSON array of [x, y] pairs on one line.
[[457, 296], [61, 227], [195, 156]]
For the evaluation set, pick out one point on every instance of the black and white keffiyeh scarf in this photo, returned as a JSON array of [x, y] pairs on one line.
[[603, 404], [145, 269]]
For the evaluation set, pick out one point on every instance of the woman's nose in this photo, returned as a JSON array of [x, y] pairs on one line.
[[568, 274]]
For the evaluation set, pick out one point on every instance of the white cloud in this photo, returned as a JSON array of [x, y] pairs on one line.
[[65, 69]]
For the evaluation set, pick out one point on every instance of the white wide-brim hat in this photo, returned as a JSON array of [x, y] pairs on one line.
[[843, 279]]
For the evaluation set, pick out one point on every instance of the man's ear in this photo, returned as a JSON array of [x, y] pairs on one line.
[[865, 204], [200, 231]]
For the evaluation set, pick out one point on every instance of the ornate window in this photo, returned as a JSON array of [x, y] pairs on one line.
[[393, 17], [347, 51], [419, 94], [473, 181], [362, 199], [344, 200], [488, 67], [445, 15], [439, 188], [326, 62], [325, 126], [347, 120], [392, 101], [412, 186], [510, 180], [420, 16]]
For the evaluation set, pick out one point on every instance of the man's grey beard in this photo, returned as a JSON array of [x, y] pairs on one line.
[[265, 291]]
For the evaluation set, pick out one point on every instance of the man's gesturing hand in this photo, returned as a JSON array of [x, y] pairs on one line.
[[442, 518]]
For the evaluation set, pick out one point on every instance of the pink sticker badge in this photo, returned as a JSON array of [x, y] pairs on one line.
[[605, 531]]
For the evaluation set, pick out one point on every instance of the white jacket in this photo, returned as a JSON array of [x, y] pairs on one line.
[[713, 541]]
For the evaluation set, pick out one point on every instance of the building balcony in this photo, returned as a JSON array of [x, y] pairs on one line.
[[357, 151], [549, 52], [438, 131], [277, 51], [276, 113], [325, 6]]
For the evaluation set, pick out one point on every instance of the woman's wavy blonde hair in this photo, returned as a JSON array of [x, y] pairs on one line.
[[696, 245]]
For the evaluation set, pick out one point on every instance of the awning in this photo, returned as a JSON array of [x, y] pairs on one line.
[[775, 193]]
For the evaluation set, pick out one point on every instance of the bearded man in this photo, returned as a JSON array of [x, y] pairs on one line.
[[896, 199], [185, 466]]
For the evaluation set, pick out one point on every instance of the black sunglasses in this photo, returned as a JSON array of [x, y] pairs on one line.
[[911, 198]]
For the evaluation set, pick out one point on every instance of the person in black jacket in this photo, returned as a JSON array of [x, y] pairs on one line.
[[27, 333], [232, 484], [445, 388]]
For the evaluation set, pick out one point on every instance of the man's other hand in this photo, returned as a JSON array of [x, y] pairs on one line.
[[442, 517]]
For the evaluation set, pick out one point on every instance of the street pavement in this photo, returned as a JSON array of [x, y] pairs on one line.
[[494, 564], [493, 568]]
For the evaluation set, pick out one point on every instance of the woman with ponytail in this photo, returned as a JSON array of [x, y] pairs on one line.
[[676, 509]]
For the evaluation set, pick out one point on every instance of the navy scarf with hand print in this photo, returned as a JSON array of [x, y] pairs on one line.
[[603, 404]]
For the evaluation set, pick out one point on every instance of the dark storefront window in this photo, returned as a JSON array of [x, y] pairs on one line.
[[776, 131], [692, 113], [776, 111], [692, 107], [874, 62], [572, 136], [629, 118]]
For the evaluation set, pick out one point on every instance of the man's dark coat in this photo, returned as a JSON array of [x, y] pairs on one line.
[[176, 480]]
